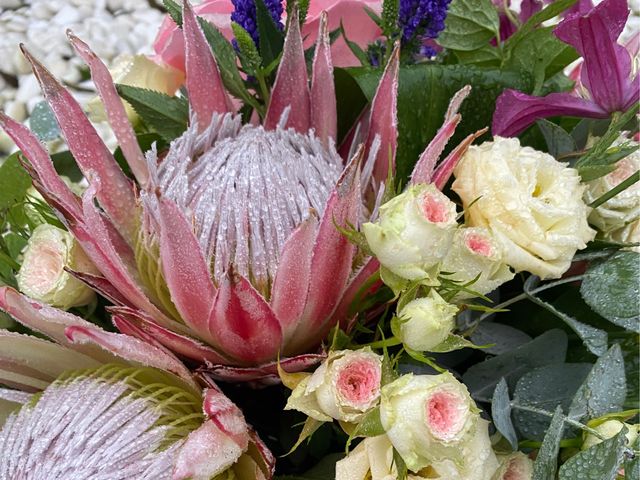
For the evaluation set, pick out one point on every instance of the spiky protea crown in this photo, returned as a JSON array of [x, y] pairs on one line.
[[247, 189], [111, 423]]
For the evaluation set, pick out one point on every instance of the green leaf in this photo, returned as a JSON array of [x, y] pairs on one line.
[[604, 389], [43, 123], [455, 342], [174, 10], [632, 464], [501, 413], [354, 47], [389, 20], [610, 288], [545, 388], [548, 348], [370, 425], [544, 468], [470, 25], [540, 54], [487, 56], [552, 10], [249, 55], [168, 116], [271, 38], [424, 92], [559, 142], [308, 429], [593, 338], [600, 462], [14, 182]]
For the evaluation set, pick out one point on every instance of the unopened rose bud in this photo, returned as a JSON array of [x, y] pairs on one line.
[[476, 252], [426, 322], [609, 429], [516, 466], [428, 418], [42, 275], [345, 387], [413, 233]]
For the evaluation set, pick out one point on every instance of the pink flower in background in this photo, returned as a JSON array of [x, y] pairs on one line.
[[169, 44]]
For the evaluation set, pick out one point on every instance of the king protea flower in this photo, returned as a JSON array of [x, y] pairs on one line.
[[227, 251], [94, 404]]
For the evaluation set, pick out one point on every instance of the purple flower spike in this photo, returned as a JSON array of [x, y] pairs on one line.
[[606, 74], [422, 18], [245, 15]]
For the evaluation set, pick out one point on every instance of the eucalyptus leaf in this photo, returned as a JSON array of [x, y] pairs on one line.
[[559, 142], [604, 389], [545, 388], [502, 337], [43, 123], [501, 413], [168, 116], [548, 348], [600, 462], [632, 464], [470, 25], [610, 287], [544, 468]]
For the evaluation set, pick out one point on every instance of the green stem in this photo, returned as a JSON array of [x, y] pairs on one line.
[[616, 190], [387, 342], [565, 419], [264, 90]]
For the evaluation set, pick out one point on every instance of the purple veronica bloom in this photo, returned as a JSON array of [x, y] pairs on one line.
[[607, 74], [244, 15], [422, 18]]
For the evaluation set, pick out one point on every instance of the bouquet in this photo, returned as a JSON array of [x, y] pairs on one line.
[[353, 239]]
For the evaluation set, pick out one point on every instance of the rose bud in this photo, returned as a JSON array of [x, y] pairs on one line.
[[531, 203], [42, 275], [344, 387], [609, 429], [428, 418], [413, 232], [476, 252], [624, 208], [426, 322], [516, 466]]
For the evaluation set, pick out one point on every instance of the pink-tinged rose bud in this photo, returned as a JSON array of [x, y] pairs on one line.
[[531, 203], [359, 27], [428, 418], [425, 322], [516, 466], [474, 252], [344, 387], [42, 275], [609, 429], [413, 232]]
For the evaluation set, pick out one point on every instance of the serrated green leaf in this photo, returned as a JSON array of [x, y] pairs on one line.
[[610, 288], [600, 462], [545, 388], [14, 182], [174, 10], [271, 38], [470, 25], [593, 338], [168, 116], [548, 348], [501, 413], [544, 468], [604, 389], [559, 142]]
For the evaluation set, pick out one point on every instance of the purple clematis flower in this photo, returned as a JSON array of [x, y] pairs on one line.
[[607, 74]]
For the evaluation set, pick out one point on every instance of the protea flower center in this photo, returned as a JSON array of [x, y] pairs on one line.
[[247, 189]]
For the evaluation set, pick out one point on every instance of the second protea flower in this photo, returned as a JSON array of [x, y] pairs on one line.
[[227, 252]]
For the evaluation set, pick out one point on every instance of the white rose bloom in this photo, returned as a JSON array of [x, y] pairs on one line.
[[516, 466], [531, 203], [42, 275], [475, 251], [627, 234], [413, 232], [428, 418], [372, 459], [622, 209], [426, 322], [344, 387], [609, 429]]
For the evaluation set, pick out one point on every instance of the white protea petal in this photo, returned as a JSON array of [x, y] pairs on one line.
[[107, 426], [247, 189]]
